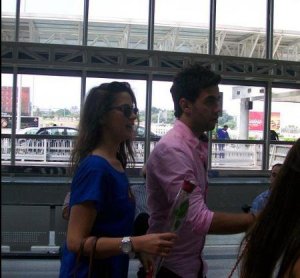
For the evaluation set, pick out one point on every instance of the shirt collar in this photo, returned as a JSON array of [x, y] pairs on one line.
[[186, 133]]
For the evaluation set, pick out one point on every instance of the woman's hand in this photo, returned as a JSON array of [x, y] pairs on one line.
[[154, 244]]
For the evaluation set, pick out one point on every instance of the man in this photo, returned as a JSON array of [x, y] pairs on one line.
[[222, 134], [260, 201], [180, 155]]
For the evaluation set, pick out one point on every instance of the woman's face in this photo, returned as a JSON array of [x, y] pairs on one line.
[[121, 118]]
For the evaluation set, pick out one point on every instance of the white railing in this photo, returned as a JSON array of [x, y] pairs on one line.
[[43, 151], [52, 150]]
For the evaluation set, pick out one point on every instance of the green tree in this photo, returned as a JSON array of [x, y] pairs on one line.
[[227, 119]]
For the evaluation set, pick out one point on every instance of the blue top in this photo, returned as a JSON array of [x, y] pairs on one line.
[[222, 134], [97, 181], [260, 201]]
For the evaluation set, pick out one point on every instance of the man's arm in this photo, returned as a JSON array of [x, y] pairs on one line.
[[230, 223]]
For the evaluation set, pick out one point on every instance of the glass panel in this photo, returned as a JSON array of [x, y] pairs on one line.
[[236, 156], [283, 122], [278, 153], [117, 23], [6, 116], [55, 21], [162, 111], [243, 112], [181, 26], [6, 103], [241, 28], [286, 30], [50, 100], [8, 20]]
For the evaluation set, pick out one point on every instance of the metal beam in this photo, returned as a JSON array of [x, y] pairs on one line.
[[71, 58]]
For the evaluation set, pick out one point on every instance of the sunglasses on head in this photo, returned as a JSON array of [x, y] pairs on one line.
[[126, 109]]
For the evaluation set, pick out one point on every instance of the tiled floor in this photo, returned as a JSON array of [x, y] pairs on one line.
[[220, 254]]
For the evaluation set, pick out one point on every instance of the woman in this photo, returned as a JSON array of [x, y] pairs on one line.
[[273, 244], [102, 206]]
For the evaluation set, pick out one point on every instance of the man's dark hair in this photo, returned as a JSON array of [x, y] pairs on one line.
[[189, 83]]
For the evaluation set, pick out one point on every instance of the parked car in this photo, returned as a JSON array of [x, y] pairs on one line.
[[140, 133], [29, 130], [58, 130]]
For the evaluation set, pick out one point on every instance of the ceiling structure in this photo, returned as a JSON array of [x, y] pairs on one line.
[[230, 41]]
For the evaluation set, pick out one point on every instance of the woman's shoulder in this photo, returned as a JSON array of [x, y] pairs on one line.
[[98, 163]]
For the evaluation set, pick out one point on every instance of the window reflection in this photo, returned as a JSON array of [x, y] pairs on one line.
[[243, 112], [285, 113], [239, 34], [181, 26], [55, 21]]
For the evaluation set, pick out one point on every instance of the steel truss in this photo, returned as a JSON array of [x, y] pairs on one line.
[[74, 59]]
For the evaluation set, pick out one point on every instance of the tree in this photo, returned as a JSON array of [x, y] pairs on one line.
[[227, 119]]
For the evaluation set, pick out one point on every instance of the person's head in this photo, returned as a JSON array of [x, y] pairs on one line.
[[196, 97], [274, 172], [277, 224], [225, 127], [109, 111]]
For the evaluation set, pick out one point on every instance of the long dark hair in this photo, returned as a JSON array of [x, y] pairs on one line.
[[97, 104], [275, 237]]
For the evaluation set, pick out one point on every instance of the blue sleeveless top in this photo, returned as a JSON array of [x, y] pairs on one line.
[[97, 181]]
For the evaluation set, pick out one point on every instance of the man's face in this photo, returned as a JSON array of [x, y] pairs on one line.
[[206, 109]]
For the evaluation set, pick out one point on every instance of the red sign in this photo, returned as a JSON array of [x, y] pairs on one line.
[[256, 121]]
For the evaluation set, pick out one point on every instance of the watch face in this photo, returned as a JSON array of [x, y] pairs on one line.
[[126, 245]]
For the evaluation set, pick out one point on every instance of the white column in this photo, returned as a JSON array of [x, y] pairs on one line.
[[244, 119]]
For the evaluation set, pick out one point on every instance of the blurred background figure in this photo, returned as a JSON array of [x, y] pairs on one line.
[[273, 135], [222, 134], [260, 201]]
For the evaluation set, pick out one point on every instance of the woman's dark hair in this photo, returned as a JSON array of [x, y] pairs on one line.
[[275, 237], [97, 103], [190, 82]]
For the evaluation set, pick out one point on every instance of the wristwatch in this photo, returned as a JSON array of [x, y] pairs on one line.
[[126, 245]]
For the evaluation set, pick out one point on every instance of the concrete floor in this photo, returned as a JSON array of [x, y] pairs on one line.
[[220, 253]]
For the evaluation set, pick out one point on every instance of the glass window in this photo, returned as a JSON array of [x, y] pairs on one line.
[[181, 26], [6, 103], [286, 35], [243, 112], [285, 114], [162, 110], [55, 21], [52, 100], [118, 23], [278, 153], [236, 156], [8, 20], [241, 28]]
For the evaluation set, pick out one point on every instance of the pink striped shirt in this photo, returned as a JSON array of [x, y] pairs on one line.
[[179, 155]]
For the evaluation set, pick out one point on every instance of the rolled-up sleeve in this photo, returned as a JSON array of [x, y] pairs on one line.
[[166, 171]]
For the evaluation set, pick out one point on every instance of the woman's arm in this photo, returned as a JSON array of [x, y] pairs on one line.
[[81, 221]]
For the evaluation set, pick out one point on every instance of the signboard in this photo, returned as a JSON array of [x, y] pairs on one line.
[[26, 121], [256, 121]]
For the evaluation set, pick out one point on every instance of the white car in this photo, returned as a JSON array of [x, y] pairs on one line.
[[29, 130]]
